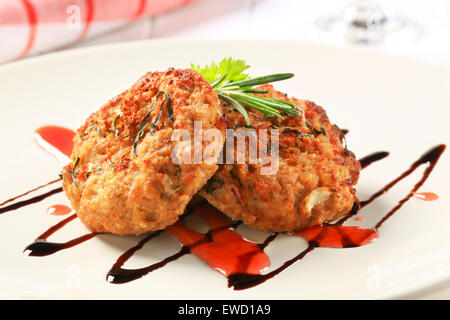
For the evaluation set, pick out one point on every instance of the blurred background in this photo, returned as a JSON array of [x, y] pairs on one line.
[[414, 28]]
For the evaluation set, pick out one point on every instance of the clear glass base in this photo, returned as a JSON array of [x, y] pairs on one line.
[[365, 22]]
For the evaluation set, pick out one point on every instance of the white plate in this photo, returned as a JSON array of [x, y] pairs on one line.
[[388, 103]]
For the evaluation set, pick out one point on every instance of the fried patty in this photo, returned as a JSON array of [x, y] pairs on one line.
[[122, 178], [315, 178]]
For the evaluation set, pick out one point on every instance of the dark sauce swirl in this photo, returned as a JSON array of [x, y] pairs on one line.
[[41, 247], [241, 281], [223, 249], [35, 199], [371, 158]]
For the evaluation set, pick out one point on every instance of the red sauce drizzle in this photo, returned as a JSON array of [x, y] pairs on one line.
[[240, 260], [239, 281], [59, 210], [338, 236], [226, 251], [221, 248], [59, 137], [54, 136]]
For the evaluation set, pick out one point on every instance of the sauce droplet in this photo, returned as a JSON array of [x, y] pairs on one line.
[[426, 196], [59, 210], [56, 140]]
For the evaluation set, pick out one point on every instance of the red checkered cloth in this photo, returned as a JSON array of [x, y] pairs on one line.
[[29, 27]]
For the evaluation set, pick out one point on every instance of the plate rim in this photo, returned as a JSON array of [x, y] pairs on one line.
[[64, 52]]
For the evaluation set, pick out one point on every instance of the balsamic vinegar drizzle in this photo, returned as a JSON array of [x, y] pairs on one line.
[[35, 199], [243, 263], [220, 237], [430, 157], [41, 247], [117, 274], [241, 281], [367, 160], [238, 280], [29, 191]]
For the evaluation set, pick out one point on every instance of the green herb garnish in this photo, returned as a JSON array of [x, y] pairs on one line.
[[72, 172], [314, 130], [213, 184], [89, 173], [88, 128], [236, 88], [111, 163], [145, 122], [116, 132], [298, 133]]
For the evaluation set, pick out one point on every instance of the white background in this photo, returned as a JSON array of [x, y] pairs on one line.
[[294, 20]]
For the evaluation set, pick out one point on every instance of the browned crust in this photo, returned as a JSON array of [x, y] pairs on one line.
[[278, 202], [119, 192]]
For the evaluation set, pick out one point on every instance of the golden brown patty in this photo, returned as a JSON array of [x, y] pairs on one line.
[[125, 181], [314, 182]]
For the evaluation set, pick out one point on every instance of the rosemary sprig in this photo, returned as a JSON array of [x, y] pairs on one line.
[[111, 163], [72, 172], [116, 132], [145, 123], [298, 133], [97, 171], [213, 184], [88, 128], [236, 88], [260, 80], [314, 130]]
